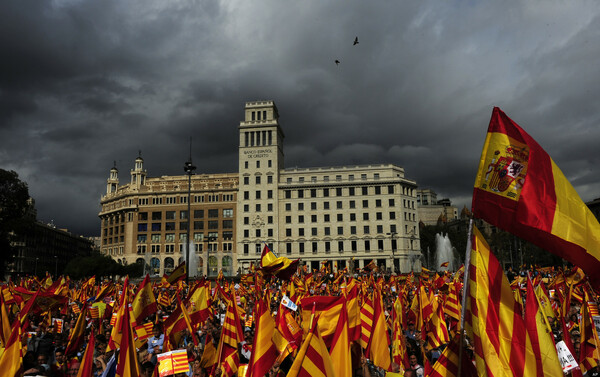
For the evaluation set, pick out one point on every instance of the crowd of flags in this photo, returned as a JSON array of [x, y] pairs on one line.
[[322, 321]]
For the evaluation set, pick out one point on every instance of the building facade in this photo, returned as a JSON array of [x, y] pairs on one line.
[[147, 221], [432, 211], [346, 216]]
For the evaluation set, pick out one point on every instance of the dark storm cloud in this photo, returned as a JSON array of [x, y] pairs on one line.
[[84, 83]]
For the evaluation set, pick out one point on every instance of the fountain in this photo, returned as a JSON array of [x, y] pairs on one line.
[[192, 264], [444, 252]]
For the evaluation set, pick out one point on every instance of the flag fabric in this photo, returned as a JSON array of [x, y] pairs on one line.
[[144, 303], [313, 359], [367, 314], [264, 352], [11, 361], [340, 346], [199, 301], [588, 353], [87, 363], [127, 365], [520, 189], [493, 319], [144, 332], [231, 336], [177, 274], [379, 345], [173, 362], [281, 267], [542, 339], [77, 336], [328, 308], [447, 364]]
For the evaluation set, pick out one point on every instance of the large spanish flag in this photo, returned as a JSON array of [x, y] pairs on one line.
[[520, 189]]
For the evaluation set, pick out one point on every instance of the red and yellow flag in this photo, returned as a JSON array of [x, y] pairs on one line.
[[520, 189], [493, 318], [87, 363], [264, 352], [447, 364], [11, 361], [144, 303], [313, 359], [128, 363], [340, 346], [541, 336]]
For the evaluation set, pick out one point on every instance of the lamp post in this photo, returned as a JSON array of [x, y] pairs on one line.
[[36, 260], [189, 170], [55, 267], [394, 246]]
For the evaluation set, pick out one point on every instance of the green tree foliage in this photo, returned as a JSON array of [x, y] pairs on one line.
[[14, 196], [100, 266]]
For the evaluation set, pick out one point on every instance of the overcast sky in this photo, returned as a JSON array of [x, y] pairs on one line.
[[86, 83]]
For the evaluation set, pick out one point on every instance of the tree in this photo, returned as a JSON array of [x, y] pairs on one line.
[[100, 266], [14, 205]]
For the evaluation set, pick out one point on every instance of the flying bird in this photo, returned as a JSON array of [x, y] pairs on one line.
[[355, 41], [337, 62]]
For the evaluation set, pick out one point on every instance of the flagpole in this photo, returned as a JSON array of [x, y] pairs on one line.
[[464, 295]]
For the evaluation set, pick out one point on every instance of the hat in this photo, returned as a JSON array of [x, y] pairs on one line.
[[575, 333]]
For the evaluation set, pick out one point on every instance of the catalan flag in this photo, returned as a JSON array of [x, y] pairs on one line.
[[173, 362], [328, 308], [127, 365], [447, 365], [231, 336], [520, 189], [379, 346], [340, 346], [589, 355], [77, 335], [493, 319], [144, 331], [541, 336], [313, 359]]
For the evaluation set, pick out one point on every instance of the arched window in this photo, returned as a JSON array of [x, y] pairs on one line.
[[140, 261], [213, 266], [155, 266], [227, 264], [169, 265]]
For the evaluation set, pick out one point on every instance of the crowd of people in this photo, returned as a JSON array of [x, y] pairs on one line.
[[49, 348]]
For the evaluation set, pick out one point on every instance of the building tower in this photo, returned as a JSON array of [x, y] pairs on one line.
[[113, 180], [138, 175], [260, 163]]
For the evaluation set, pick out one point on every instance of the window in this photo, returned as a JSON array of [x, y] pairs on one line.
[[269, 219], [169, 215], [391, 202], [156, 227], [143, 216], [300, 206], [246, 220], [313, 218], [301, 179], [257, 233], [227, 235], [378, 215], [198, 237], [197, 225], [258, 164], [213, 213], [199, 213], [393, 228], [301, 247], [258, 208], [246, 195], [313, 205], [269, 194], [366, 229], [313, 193], [257, 179], [301, 232], [340, 217], [288, 232], [228, 212], [288, 219], [258, 195], [377, 190], [390, 189], [183, 225], [365, 203], [379, 228], [352, 204], [288, 206], [353, 229], [326, 218], [246, 233], [351, 190], [338, 204], [269, 179], [313, 231], [269, 232], [183, 215], [327, 247], [338, 191], [246, 246], [269, 162], [380, 245], [301, 193], [228, 224], [270, 207], [156, 238], [353, 246], [327, 231], [301, 219], [246, 180], [365, 190], [392, 215], [338, 177], [325, 192], [288, 247], [376, 176], [315, 247], [142, 227], [377, 202], [171, 225], [353, 217], [288, 194], [142, 238], [367, 245], [340, 230], [340, 246]]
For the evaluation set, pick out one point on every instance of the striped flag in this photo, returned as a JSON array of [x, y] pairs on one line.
[[520, 189], [541, 336], [379, 345], [94, 312], [11, 360], [493, 318], [264, 352], [328, 308], [589, 354], [313, 359], [58, 325], [127, 365], [144, 331], [367, 314], [173, 362], [231, 336], [340, 346], [75, 308], [447, 364]]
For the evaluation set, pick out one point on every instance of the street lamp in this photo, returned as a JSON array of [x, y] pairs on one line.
[[55, 267], [394, 245], [189, 170], [36, 260]]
